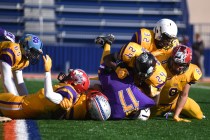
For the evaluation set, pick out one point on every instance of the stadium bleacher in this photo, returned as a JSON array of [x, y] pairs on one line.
[[72, 25], [122, 18], [63, 21]]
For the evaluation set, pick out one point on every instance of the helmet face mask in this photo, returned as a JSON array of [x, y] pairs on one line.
[[180, 59], [33, 55], [164, 42], [77, 78], [145, 65], [177, 68]]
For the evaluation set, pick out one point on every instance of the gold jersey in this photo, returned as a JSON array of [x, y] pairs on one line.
[[11, 53], [175, 83], [33, 106], [79, 109], [146, 39], [156, 81]]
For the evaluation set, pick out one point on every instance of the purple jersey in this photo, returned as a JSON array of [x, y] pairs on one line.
[[124, 97]]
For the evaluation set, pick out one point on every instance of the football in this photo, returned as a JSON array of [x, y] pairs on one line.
[[144, 114]]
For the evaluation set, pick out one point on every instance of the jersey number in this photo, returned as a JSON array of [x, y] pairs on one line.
[[146, 38], [159, 79], [128, 107]]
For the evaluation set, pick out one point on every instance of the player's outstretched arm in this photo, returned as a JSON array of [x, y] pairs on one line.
[[180, 104], [48, 89], [19, 82]]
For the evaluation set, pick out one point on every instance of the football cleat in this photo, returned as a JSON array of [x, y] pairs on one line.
[[5, 119], [105, 39]]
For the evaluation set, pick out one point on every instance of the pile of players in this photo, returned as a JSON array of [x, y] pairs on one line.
[[151, 71]]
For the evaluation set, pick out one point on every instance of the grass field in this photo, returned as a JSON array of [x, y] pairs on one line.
[[153, 129]]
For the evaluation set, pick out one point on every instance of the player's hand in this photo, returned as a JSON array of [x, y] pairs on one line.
[[66, 104], [47, 63], [121, 72], [178, 119]]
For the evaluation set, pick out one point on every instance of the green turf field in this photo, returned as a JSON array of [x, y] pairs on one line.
[[153, 129]]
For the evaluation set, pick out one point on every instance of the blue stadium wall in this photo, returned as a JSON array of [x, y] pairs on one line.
[[86, 58]]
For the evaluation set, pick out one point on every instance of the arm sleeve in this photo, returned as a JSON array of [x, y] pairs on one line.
[[19, 82], [7, 80], [48, 90]]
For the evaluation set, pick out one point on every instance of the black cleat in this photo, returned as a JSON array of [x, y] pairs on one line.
[[105, 39]]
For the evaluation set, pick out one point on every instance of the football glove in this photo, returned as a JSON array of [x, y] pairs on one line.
[[66, 104], [178, 119], [47, 63], [121, 72]]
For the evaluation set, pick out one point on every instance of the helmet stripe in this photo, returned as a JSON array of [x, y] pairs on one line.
[[102, 114]]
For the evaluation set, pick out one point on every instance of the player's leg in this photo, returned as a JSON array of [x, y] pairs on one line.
[[160, 110], [106, 51], [106, 42], [11, 105], [192, 109]]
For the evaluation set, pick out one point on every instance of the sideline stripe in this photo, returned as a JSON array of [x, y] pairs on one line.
[[9, 130], [33, 130], [21, 130]]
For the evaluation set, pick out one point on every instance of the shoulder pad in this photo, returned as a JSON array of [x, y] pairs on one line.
[[197, 73]]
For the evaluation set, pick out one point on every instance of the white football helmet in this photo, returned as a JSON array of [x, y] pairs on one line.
[[165, 30], [98, 106]]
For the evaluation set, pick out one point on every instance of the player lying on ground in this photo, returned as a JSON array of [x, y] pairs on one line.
[[149, 75], [14, 57], [126, 99], [174, 95], [48, 102]]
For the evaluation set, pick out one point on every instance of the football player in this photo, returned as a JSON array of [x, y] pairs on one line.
[[148, 72], [174, 95], [67, 100], [160, 40], [125, 98], [16, 56], [49, 99]]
